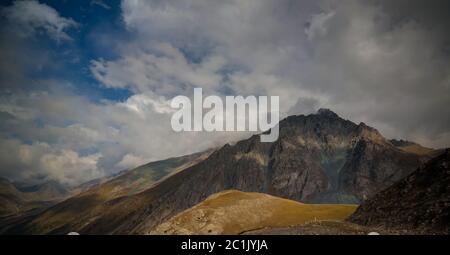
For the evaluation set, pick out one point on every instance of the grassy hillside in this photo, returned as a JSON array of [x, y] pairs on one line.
[[13, 200], [80, 210], [234, 212], [145, 176]]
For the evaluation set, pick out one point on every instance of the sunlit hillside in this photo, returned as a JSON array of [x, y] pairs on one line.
[[234, 212]]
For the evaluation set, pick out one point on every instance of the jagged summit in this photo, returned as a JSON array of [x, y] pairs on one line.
[[322, 113], [324, 119], [327, 113], [413, 147], [401, 142]]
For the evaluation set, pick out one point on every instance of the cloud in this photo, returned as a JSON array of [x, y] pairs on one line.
[[101, 4], [30, 17], [318, 25], [140, 104], [382, 69], [164, 71], [380, 62], [40, 161], [129, 160], [60, 129]]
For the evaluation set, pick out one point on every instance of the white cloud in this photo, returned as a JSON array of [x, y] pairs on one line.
[[163, 71], [129, 160], [140, 104], [40, 161], [318, 25], [104, 138], [69, 167], [100, 3], [30, 17]]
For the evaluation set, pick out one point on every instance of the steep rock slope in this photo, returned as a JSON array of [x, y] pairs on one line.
[[421, 201]]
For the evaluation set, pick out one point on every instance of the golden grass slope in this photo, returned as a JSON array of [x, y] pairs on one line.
[[79, 211], [235, 212]]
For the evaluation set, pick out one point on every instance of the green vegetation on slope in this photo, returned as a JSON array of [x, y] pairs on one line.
[[79, 211], [14, 201]]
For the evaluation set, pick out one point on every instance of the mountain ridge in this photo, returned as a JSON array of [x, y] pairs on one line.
[[16, 199]]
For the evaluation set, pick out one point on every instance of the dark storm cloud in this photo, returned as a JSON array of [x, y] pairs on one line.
[[431, 13], [385, 64], [381, 62]]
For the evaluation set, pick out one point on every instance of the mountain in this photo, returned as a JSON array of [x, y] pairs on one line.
[[14, 199], [145, 176], [318, 158], [92, 198], [11, 200], [235, 212], [93, 183], [47, 191], [420, 201], [415, 148]]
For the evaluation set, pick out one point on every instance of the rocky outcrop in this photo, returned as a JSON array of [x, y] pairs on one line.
[[421, 201], [372, 166]]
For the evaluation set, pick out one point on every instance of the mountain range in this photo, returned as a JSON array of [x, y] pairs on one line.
[[18, 197], [318, 158]]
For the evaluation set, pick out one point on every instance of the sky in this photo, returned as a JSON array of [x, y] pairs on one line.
[[85, 86]]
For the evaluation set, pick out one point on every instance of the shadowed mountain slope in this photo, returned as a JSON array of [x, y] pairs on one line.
[[420, 201]]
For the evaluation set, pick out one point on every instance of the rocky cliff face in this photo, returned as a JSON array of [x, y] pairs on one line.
[[372, 166], [421, 201], [317, 158]]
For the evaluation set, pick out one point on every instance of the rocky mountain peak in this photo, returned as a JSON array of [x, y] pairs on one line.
[[370, 133], [327, 113], [401, 143]]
